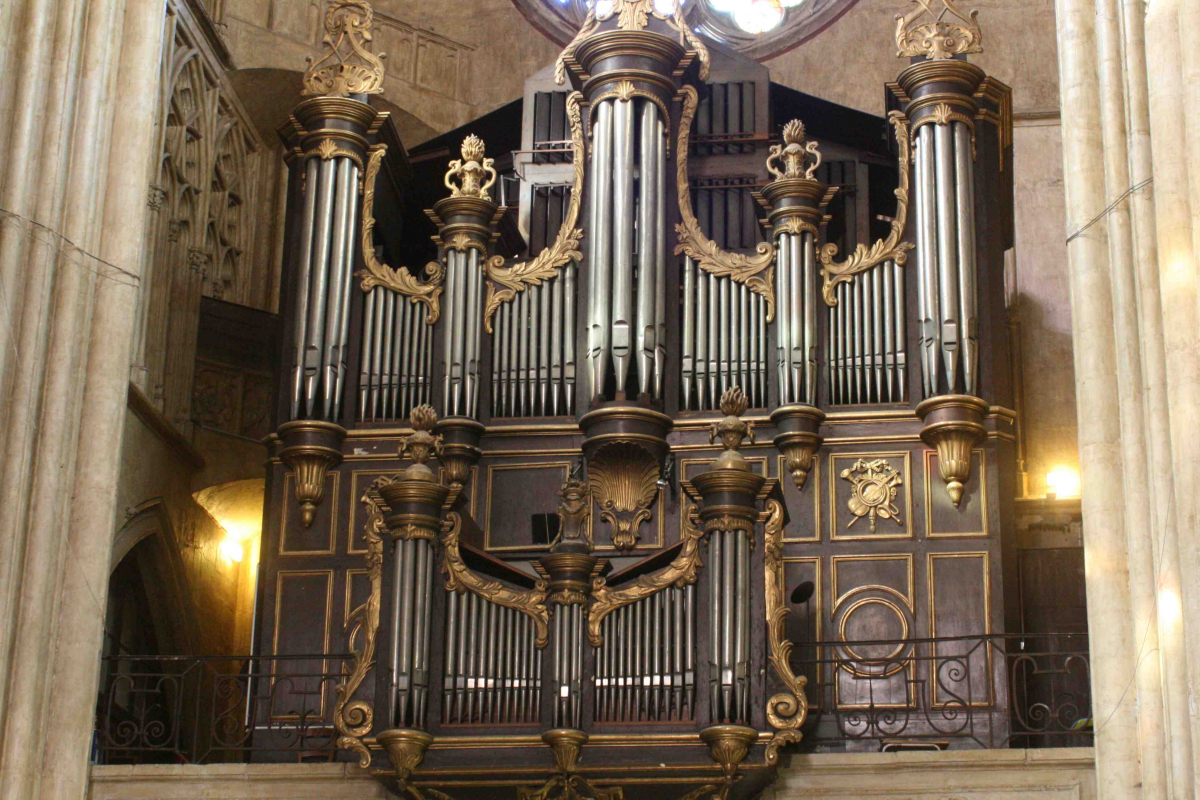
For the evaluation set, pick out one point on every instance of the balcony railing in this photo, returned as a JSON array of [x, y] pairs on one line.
[[994, 691]]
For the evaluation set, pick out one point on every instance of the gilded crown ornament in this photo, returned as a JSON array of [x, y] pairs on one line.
[[421, 443], [732, 429], [938, 38], [348, 67], [794, 153], [475, 173]]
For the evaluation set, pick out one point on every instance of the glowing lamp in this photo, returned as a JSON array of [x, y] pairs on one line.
[[1062, 482]]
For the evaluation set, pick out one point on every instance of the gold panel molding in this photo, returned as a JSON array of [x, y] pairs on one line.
[[280, 577], [780, 470], [986, 575]]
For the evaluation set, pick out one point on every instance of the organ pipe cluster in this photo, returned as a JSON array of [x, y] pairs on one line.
[[626, 321], [865, 351], [724, 339], [395, 357]]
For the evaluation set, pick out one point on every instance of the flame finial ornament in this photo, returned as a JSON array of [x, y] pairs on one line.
[[794, 153], [937, 38], [421, 443], [348, 67], [475, 173], [732, 429]]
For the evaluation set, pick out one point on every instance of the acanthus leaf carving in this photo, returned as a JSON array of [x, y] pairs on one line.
[[786, 710], [341, 73]]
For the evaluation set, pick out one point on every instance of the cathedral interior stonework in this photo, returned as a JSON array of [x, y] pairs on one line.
[[599, 399]]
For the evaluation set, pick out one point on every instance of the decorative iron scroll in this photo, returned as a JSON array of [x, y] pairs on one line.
[[338, 74], [566, 245], [754, 271], [354, 719], [786, 711], [937, 39], [461, 578], [889, 249], [399, 280], [679, 573]]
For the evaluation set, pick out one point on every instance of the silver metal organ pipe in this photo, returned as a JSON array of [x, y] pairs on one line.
[[856, 338], [701, 362], [509, 311], [520, 339], [377, 302], [742, 627], [326, 378], [878, 303], [889, 332], [543, 348], [385, 377], [568, 298], [474, 342], [810, 320], [343, 334], [948, 264], [366, 373], [734, 332], [714, 331], [319, 286], [498, 364], [449, 321], [556, 339], [796, 356], [660, 254], [901, 350], [451, 674], [756, 399], [689, 330], [460, 333], [532, 345], [623, 221], [403, 354], [303, 278], [689, 648], [646, 215], [728, 624], [783, 314], [967, 279], [726, 331], [600, 249], [396, 333], [928, 244]]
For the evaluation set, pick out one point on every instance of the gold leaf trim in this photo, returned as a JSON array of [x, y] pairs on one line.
[[461, 578], [339, 75], [590, 23], [566, 245], [944, 114], [475, 174], [754, 271], [882, 250], [354, 719], [679, 573], [787, 710], [623, 478], [795, 226], [624, 90], [937, 39], [399, 280]]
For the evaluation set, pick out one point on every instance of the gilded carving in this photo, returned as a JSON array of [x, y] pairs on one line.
[[353, 719], [573, 514], [795, 226], [343, 72], [679, 573], [787, 710], [566, 245], [794, 153], [460, 578], [624, 479], [475, 173], [875, 488], [732, 428], [422, 443], [590, 23], [944, 114], [754, 271], [624, 91], [398, 280], [888, 249], [937, 38]]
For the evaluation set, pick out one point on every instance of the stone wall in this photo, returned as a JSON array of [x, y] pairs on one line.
[[1064, 774]]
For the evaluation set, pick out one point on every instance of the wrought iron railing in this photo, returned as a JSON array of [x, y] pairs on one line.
[[992, 691], [201, 710]]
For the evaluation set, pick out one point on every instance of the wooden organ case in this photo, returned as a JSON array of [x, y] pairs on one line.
[[721, 462]]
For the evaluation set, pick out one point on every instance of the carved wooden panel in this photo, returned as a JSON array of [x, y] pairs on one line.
[[962, 607], [308, 595], [852, 522], [970, 518], [874, 598]]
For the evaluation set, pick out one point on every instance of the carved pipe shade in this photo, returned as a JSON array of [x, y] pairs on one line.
[[716, 19]]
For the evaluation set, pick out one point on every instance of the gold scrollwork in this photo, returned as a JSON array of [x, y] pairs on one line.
[[882, 250], [754, 271], [679, 573], [338, 74], [794, 153], [566, 245], [461, 578], [795, 226], [353, 719], [786, 711], [623, 478], [327, 149], [937, 39], [875, 483], [398, 280]]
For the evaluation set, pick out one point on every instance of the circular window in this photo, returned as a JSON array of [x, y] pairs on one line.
[[760, 29]]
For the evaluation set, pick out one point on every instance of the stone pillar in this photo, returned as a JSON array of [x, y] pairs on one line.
[[76, 113], [1118, 774], [1130, 73]]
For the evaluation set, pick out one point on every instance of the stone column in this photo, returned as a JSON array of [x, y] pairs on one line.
[[1118, 774], [74, 116]]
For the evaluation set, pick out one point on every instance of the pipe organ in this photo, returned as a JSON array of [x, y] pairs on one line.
[[652, 379]]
